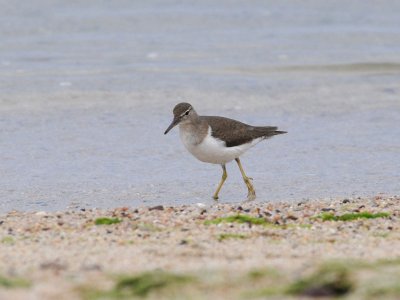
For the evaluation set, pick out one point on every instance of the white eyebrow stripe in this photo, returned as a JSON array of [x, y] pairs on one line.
[[190, 108]]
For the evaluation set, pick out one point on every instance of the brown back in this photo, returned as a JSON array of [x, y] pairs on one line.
[[235, 133]]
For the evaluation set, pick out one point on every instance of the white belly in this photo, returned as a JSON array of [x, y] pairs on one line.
[[212, 150]]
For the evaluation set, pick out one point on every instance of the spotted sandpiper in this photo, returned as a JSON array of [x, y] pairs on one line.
[[218, 140]]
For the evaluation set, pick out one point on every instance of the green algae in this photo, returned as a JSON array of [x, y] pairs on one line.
[[227, 236], [352, 216], [107, 221], [242, 219]]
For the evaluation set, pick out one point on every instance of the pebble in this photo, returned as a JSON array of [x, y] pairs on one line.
[[327, 209], [158, 207], [201, 205]]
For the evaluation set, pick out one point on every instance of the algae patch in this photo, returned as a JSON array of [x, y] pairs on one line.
[[256, 274], [227, 236], [331, 280], [239, 219], [352, 216], [107, 221], [10, 283], [8, 240], [142, 285]]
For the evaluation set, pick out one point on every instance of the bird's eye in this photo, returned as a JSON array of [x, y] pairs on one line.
[[186, 113]]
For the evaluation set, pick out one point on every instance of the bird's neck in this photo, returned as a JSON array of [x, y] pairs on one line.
[[194, 129]]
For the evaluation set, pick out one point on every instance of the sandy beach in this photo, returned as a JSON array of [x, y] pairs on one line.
[[347, 247]]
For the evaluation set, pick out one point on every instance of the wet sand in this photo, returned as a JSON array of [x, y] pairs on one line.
[[264, 249], [102, 150]]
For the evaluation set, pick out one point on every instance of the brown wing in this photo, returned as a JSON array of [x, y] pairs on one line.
[[235, 133]]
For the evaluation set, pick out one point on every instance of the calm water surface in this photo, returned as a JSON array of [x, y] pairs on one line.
[[87, 89]]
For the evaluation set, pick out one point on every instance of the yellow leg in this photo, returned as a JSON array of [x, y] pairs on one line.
[[224, 176], [252, 193]]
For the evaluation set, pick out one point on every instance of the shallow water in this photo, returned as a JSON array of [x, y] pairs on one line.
[[87, 92]]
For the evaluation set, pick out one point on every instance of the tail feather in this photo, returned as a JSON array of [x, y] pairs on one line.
[[279, 132], [268, 131]]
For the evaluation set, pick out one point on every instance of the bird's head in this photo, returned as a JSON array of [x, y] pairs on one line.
[[183, 112]]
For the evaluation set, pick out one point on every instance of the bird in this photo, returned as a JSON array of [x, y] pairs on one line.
[[218, 140]]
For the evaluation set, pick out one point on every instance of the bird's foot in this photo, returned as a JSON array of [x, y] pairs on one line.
[[215, 197], [251, 195]]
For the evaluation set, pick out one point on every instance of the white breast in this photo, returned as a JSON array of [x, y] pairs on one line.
[[211, 149]]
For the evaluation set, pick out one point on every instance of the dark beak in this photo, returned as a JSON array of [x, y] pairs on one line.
[[174, 122]]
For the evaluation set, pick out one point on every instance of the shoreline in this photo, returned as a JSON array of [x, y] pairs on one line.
[[80, 254]]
